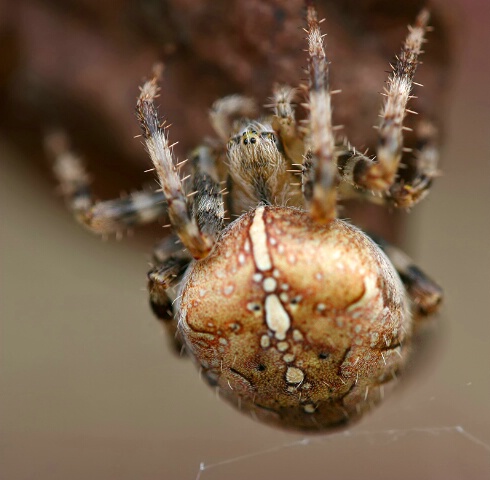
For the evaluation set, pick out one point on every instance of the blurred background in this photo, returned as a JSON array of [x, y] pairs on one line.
[[88, 387]]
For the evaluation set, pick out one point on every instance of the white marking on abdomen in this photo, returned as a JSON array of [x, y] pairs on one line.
[[258, 237], [269, 284], [294, 375], [276, 317], [371, 290]]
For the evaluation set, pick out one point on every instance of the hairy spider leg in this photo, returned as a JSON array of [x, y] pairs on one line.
[[320, 176], [390, 139], [284, 122], [407, 193], [161, 278], [170, 261], [379, 175], [103, 218], [424, 292], [181, 217], [407, 190], [207, 195], [169, 264]]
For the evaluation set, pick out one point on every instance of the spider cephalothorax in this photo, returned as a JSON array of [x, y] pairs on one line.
[[293, 315], [257, 163]]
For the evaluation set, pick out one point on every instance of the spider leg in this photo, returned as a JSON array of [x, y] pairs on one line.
[[284, 122], [411, 185], [352, 164], [207, 201], [112, 216], [424, 292], [170, 266], [406, 192], [379, 174], [390, 133], [184, 221], [319, 167]]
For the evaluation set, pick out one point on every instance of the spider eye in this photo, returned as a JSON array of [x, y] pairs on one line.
[[270, 136], [250, 137]]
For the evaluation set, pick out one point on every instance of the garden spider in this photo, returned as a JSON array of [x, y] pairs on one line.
[[295, 316]]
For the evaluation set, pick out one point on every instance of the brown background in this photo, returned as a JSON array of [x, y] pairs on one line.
[[89, 389]]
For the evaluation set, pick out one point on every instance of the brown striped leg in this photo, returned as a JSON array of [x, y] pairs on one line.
[[162, 278], [413, 182], [104, 218], [390, 133], [319, 168], [352, 165], [424, 292], [170, 261], [183, 221], [379, 175], [397, 93], [413, 187], [207, 195]]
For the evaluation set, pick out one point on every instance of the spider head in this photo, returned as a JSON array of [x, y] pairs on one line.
[[253, 137], [257, 162], [249, 136]]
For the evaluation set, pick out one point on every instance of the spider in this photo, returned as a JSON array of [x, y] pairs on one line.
[[293, 315]]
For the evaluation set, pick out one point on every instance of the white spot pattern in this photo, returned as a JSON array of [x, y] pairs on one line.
[[269, 284], [259, 241], [294, 375], [276, 316]]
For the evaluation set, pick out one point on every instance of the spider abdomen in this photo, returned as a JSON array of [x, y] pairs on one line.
[[301, 324]]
